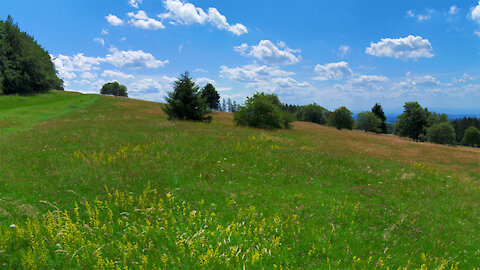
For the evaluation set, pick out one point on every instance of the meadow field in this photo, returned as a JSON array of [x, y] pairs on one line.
[[88, 181]]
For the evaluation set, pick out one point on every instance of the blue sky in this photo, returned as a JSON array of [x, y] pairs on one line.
[[335, 53]]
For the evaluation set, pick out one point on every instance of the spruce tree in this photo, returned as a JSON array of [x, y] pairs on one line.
[[211, 96], [378, 111], [185, 102]]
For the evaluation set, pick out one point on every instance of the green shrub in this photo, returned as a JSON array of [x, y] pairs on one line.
[[342, 118], [313, 113], [263, 111], [368, 121], [442, 133], [115, 89], [472, 136]]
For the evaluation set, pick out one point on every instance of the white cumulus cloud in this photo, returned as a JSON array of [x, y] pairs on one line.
[[268, 53], [202, 81], [141, 20], [134, 3], [262, 78], [114, 20], [333, 71], [116, 74], [411, 47], [133, 59], [475, 14], [179, 12], [68, 65], [153, 85]]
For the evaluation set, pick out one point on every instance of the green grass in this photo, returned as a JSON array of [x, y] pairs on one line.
[[195, 195]]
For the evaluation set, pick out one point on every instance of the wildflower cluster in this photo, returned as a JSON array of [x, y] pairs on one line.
[[144, 231]]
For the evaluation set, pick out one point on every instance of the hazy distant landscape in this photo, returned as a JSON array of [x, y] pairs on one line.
[[179, 134]]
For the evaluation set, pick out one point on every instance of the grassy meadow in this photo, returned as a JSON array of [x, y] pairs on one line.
[[88, 181]]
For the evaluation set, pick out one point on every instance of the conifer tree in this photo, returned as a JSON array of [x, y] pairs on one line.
[[185, 102]]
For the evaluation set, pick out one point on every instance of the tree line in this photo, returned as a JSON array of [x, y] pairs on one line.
[[25, 67], [262, 110]]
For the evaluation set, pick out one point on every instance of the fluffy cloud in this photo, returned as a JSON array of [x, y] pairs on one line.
[[252, 73], [365, 79], [116, 74], [186, 13], [68, 65], [268, 53], [88, 75], [410, 47], [333, 71], [133, 59], [152, 85], [262, 78], [114, 20], [475, 14], [141, 20], [134, 3], [204, 81]]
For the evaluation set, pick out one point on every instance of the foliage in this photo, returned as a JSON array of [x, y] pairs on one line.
[[211, 96], [115, 89], [442, 133], [185, 101], [25, 67], [368, 121], [412, 122], [472, 136], [342, 118], [262, 111], [290, 108], [378, 111], [313, 113], [461, 125]]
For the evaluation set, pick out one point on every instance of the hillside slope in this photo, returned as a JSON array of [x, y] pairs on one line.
[[127, 188]]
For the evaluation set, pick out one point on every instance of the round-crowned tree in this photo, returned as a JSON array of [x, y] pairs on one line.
[[368, 121], [313, 113], [442, 133], [262, 111], [342, 118], [114, 89], [472, 136]]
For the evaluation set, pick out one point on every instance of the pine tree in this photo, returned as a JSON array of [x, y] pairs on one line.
[[224, 105], [378, 111], [211, 96], [229, 105], [185, 102]]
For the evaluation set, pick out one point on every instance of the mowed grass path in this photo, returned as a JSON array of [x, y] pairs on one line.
[[215, 195]]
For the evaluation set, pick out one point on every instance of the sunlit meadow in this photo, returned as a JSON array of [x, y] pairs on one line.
[[103, 182]]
